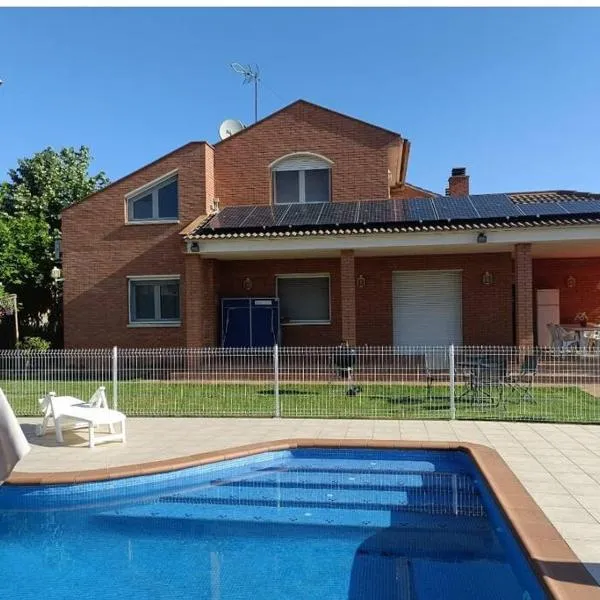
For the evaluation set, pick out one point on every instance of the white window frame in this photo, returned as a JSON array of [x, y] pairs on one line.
[[301, 175], [131, 279], [307, 276], [151, 188]]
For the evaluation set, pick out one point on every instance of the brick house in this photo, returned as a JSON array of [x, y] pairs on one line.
[[312, 207]]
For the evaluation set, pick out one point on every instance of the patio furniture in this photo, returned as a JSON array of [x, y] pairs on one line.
[[72, 412], [344, 363], [485, 374], [592, 338], [437, 366], [587, 335], [562, 339], [97, 400], [521, 381]]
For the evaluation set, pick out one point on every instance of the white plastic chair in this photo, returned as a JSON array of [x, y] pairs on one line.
[[562, 339], [72, 412]]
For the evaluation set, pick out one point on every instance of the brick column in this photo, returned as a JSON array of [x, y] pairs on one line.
[[209, 301], [524, 295], [200, 301], [192, 303], [348, 285]]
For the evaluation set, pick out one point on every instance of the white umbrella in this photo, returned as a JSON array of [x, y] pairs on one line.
[[13, 443]]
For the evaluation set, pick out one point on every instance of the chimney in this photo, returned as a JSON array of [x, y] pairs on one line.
[[458, 183]]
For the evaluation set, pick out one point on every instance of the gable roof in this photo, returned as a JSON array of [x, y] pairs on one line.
[[121, 179], [394, 216], [305, 103]]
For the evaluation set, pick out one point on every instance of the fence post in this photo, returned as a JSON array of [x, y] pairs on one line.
[[276, 379], [452, 382], [115, 378]]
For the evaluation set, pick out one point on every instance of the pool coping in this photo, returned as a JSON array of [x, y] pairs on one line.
[[562, 574]]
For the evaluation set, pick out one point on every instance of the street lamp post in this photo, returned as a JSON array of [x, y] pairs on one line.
[[55, 275]]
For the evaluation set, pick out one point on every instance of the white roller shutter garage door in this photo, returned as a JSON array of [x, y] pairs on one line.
[[427, 308]]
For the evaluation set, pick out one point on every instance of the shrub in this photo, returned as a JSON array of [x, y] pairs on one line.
[[33, 343]]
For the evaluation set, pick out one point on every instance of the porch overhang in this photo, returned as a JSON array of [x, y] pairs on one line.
[[546, 241]]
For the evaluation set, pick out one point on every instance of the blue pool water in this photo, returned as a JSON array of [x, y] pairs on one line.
[[328, 524]]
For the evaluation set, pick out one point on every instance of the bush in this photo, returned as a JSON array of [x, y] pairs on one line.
[[33, 343]]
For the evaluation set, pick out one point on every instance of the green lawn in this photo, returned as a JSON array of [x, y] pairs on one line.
[[376, 400]]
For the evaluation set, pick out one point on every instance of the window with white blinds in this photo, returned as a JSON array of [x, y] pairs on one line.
[[304, 299], [301, 178]]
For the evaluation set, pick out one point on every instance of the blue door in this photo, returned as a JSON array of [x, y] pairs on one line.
[[235, 323], [264, 321]]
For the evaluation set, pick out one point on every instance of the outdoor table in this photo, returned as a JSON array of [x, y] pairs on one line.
[[475, 367], [583, 340]]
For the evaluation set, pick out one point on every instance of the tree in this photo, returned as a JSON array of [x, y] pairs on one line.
[[30, 205]]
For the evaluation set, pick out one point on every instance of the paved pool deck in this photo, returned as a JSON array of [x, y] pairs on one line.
[[559, 465]]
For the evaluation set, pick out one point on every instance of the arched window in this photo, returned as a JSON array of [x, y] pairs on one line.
[[300, 178]]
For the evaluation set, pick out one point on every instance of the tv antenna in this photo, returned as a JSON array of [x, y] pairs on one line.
[[250, 74]]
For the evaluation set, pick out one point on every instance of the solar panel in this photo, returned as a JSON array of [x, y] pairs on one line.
[[455, 208], [534, 209], [491, 206], [420, 209], [400, 210], [301, 214], [263, 216], [339, 213], [576, 207], [230, 217], [376, 211]]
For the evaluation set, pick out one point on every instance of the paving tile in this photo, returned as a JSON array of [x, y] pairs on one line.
[[579, 531], [591, 503], [556, 500], [568, 514]]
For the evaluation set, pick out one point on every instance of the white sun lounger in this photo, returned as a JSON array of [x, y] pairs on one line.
[[73, 413]]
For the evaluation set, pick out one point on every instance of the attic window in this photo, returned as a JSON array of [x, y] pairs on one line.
[[156, 202], [301, 178]]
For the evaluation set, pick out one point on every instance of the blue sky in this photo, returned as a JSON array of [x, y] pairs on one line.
[[512, 94]]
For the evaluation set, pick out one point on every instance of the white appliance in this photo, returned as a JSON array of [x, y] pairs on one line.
[[548, 311]]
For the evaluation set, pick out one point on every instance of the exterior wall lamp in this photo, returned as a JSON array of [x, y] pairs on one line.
[[361, 281], [481, 238], [55, 274], [487, 278], [571, 281], [247, 284]]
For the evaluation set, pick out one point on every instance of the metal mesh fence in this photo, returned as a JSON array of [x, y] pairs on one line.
[[467, 382], [26, 375]]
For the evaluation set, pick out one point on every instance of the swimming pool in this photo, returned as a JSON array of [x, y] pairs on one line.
[[295, 524]]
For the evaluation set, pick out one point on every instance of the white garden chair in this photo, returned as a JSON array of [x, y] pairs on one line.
[[562, 339], [73, 413]]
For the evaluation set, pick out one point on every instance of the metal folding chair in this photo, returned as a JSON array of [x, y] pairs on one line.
[[489, 375], [522, 380]]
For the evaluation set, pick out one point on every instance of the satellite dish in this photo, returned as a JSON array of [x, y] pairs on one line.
[[229, 127]]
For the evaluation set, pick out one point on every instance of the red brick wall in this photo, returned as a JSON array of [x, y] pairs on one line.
[[100, 251], [584, 296], [359, 152], [408, 191], [487, 310], [263, 273]]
